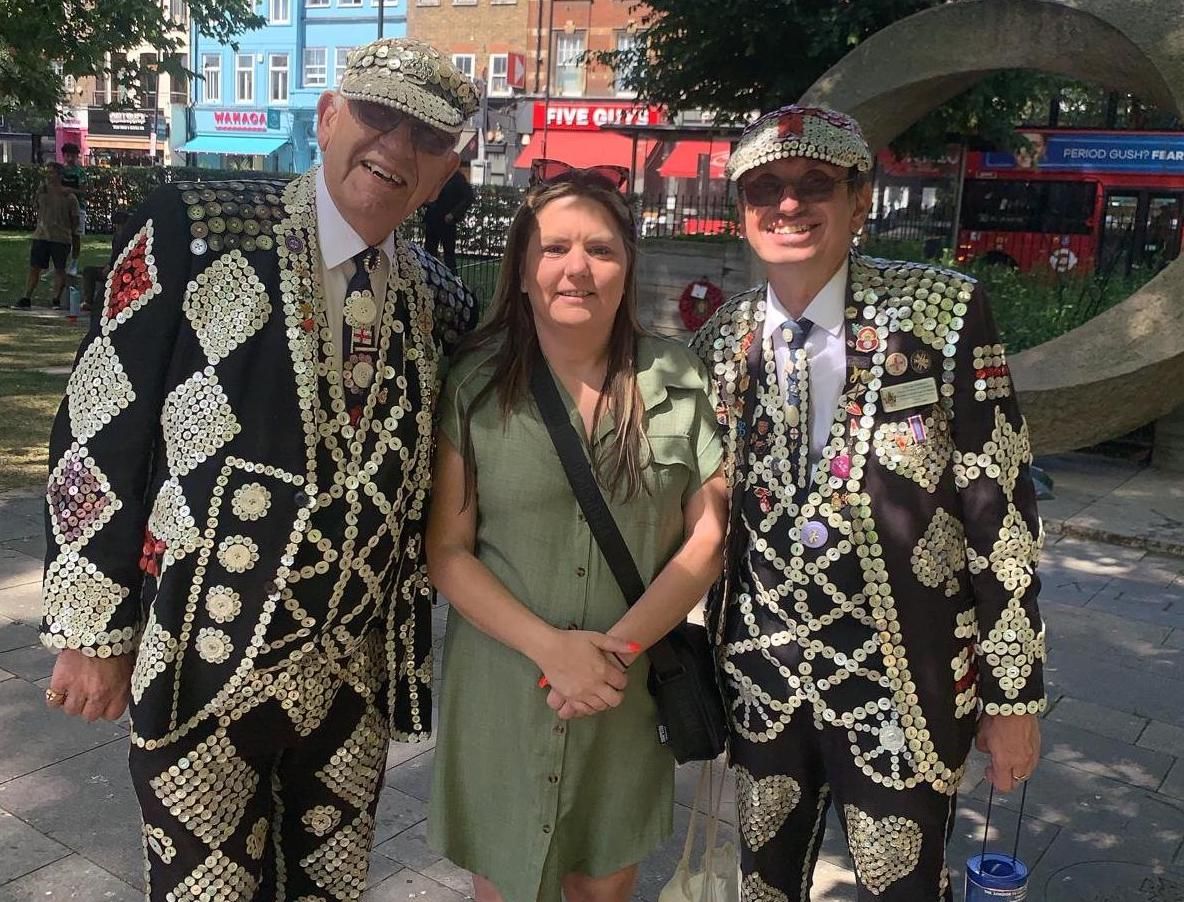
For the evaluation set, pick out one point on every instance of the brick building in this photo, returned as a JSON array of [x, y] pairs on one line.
[[530, 55]]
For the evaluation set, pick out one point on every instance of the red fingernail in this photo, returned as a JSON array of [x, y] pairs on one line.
[[544, 682], [634, 648]]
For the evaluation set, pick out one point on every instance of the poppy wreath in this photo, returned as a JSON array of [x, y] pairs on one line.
[[698, 301]]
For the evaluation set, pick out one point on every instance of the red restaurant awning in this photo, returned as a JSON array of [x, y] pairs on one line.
[[582, 149], [683, 162]]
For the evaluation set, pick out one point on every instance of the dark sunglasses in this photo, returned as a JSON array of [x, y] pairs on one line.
[[549, 172], [385, 119], [768, 190]]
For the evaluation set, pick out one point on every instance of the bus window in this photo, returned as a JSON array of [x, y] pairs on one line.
[[998, 206], [1067, 208], [1062, 208]]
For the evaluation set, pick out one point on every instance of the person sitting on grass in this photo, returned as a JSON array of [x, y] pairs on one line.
[[56, 237]]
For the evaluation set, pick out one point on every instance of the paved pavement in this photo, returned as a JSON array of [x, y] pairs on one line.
[[1105, 816]]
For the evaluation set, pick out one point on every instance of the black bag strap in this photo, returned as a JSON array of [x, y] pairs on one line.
[[591, 500], [583, 483]]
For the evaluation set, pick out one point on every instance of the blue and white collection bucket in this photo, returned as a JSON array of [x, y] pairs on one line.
[[995, 877]]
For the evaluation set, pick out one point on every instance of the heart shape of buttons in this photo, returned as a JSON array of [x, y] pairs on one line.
[[764, 804]]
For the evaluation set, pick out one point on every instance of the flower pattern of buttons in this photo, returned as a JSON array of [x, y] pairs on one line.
[[238, 554], [213, 645], [250, 501]]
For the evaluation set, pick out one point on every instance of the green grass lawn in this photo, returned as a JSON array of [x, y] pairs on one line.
[[29, 397], [29, 344]]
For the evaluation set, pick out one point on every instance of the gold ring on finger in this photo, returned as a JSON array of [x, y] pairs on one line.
[[54, 697]]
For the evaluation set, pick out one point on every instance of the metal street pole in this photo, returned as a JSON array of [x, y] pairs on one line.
[[959, 189], [380, 11], [550, 68]]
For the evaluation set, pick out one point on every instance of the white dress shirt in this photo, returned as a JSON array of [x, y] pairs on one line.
[[339, 242], [825, 349]]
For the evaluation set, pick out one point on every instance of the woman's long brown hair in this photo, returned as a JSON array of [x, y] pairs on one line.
[[509, 332]]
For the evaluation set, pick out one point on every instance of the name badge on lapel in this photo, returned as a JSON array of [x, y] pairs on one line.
[[917, 393]]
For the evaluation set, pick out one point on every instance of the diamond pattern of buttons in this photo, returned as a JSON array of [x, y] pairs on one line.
[[197, 421], [80, 498], [98, 390]]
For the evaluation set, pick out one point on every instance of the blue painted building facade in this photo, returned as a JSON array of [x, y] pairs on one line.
[[255, 107]]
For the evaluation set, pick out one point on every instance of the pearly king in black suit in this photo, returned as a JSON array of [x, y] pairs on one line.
[[872, 600], [220, 506]]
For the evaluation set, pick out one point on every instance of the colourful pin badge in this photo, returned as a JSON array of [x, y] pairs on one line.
[[841, 466], [815, 534], [917, 426]]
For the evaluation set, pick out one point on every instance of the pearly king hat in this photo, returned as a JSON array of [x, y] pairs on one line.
[[815, 132], [411, 76]]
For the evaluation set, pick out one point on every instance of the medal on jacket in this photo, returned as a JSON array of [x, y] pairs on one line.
[[360, 314]]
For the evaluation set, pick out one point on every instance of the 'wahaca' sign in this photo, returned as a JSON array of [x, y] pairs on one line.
[[240, 120]]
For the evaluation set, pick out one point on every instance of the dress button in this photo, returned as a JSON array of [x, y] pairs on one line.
[[559, 729], [301, 499], [553, 779], [546, 828], [580, 571]]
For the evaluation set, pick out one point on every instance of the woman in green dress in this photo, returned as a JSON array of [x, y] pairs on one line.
[[549, 776]]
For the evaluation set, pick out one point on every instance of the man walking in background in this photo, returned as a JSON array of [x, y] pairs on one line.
[[442, 216], [56, 237]]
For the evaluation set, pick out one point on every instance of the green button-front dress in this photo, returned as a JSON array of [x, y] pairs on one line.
[[518, 795]]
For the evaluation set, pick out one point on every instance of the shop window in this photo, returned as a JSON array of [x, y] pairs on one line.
[[244, 78], [499, 84], [568, 74], [315, 67], [340, 63], [211, 72], [464, 62], [277, 80]]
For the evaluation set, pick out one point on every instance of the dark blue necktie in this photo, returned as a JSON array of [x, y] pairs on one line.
[[359, 329], [797, 398]]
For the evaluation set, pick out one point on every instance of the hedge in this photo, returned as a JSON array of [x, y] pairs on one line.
[[108, 189], [482, 233]]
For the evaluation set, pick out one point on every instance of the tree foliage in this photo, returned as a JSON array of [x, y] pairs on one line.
[[736, 56], [90, 37]]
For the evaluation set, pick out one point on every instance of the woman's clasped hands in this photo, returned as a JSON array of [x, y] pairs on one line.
[[584, 671]]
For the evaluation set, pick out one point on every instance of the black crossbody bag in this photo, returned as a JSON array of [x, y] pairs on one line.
[[682, 678]]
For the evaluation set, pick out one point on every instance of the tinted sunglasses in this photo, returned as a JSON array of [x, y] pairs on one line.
[[386, 119], [768, 190], [549, 172]]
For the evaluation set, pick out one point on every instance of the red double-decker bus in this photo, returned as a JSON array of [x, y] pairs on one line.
[[1076, 200]]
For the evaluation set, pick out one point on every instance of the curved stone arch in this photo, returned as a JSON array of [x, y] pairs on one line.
[[1124, 367]]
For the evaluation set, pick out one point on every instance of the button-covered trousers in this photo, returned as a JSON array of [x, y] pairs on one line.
[[250, 810], [784, 789]]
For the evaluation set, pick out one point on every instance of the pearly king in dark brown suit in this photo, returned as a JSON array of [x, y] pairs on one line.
[[869, 607]]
